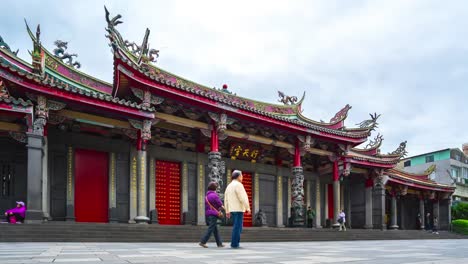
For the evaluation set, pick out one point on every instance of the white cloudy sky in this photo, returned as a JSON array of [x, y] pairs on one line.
[[404, 59]]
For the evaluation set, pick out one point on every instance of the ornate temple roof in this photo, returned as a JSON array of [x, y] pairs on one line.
[[49, 71], [135, 61], [417, 180]]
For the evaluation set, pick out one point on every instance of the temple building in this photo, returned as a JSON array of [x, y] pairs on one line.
[[143, 148]]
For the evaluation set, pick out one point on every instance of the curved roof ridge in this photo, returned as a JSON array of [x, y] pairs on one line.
[[51, 66]]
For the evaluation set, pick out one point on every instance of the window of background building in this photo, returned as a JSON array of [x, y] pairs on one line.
[[407, 163], [457, 157], [465, 173], [430, 158], [455, 172]]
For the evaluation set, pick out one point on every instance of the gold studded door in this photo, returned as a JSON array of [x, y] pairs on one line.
[[168, 192]]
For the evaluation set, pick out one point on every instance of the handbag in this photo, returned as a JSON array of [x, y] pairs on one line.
[[340, 220], [220, 213]]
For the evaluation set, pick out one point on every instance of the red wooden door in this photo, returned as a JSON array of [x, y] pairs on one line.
[[91, 186], [331, 203], [247, 182], [168, 192]]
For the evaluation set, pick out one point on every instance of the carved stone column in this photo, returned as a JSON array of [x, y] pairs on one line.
[[422, 213], [394, 211], [113, 218], [379, 196], [144, 135], [369, 184], [217, 167], [318, 208], [436, 211], [336, 193], [279, 201], [297, 188], [34, 180]]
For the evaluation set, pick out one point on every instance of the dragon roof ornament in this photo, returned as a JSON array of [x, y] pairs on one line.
[[370, 124], [341, 115], [60, 52], [286, 99], [401, 150], [375, 143], [4, 45]]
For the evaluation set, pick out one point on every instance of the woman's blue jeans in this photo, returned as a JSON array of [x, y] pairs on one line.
[[237, 222], [212, 222]]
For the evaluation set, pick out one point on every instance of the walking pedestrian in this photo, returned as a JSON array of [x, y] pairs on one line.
[[342, 220], [434, 226], [213, 207], [310, 217], [236, 202]]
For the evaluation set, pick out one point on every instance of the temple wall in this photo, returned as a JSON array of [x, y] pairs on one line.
[[13, 159], [358, 201], [59, 141]]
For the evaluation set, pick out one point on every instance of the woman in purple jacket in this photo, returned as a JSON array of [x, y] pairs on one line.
[[212, 206], [19, 212]]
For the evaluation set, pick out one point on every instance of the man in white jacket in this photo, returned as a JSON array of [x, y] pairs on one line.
[[236, 202]]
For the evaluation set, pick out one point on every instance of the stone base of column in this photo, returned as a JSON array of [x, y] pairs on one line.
[[142, 220], [33, 216], [336, 225], [113, 215], [154, 216], [369, 227], [394, 227], [70, 214]]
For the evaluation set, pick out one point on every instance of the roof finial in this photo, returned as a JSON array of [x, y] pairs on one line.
[[60, 53], [286, 99]]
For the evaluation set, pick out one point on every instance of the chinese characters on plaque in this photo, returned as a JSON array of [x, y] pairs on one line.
[[244, 152]]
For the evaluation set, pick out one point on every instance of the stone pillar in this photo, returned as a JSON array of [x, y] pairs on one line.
[[45, 182], [394, 212], [421, 212], [318, 215], [348, 207], [113, 218], [256, 194], [289, 198], [201, 193], [336, 193], [142, 176], [70, 216], [325, 215], [279, 200], [34, 179], [308, 195], [342, 197], [297, 188], [216, 169], [185, 192], [133, 194], [436, 212], [369, 184], [152, 191]]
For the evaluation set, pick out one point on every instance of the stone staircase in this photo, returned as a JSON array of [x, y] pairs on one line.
[[93, 232]]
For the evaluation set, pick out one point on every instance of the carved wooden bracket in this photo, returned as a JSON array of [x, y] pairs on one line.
[[19, 136]]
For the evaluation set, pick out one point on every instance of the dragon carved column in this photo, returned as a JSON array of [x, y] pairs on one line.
[[297, 188], [216, 167]]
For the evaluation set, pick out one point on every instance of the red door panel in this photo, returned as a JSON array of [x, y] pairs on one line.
[[247, 182], [91, 186], [331, 202], [168, 192]]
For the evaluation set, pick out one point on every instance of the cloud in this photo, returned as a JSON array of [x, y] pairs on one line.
[[403, 59]]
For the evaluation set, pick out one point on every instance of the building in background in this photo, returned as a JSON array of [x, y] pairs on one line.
[[451, 167]]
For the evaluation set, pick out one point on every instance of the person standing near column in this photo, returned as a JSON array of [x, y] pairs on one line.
[[236, 202], [342, 220]]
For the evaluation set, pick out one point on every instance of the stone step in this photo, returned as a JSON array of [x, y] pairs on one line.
[[90, 232]]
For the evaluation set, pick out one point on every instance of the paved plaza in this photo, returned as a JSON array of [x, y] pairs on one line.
[[394, 251]]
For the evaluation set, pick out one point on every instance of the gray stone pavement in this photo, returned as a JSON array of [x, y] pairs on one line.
[[389, 251]]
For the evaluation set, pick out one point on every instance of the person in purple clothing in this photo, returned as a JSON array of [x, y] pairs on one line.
[[19, 213], [213, 205]]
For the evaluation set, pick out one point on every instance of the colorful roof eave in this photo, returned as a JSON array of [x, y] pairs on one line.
[[73, 76], [420, 185], [16, 105], [241, 110], [33, 82]]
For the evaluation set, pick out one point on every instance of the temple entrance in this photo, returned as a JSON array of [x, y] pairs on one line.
[[168, 192], [267, 199], [91, 186], [247, 182]]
